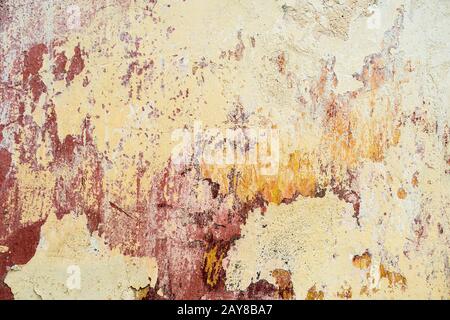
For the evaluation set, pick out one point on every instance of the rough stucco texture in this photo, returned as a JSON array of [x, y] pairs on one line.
[[356, 204]]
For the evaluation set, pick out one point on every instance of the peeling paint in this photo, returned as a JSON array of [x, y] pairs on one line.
[[94, 205]]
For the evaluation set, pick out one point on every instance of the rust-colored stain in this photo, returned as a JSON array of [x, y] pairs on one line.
[[224, 150], [401, 193], [314, 294], [283, 281], [394, 278], [362, 261], [345, 293], [213, 265]]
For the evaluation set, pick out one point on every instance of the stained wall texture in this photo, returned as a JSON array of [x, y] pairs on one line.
[[240, 149]]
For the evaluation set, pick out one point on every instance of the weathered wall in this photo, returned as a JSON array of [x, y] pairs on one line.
[[94, 204]]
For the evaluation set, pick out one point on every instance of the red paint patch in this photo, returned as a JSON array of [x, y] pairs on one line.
[[22, 246], [76, 65], [33, 61], [59, 69], [38, 87], [5, 162]]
